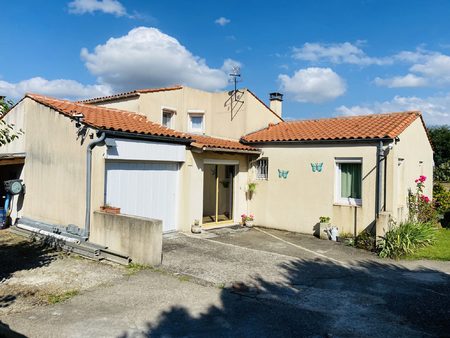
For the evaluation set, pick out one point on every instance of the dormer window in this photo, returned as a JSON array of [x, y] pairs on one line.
[[167, 117], [197, 122]]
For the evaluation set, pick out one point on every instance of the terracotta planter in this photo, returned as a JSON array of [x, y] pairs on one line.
[[110, 210]]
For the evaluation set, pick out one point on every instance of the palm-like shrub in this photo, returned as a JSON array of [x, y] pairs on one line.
[[405, 239]]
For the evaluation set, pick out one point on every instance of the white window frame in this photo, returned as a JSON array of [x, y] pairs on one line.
[[260, 175], [337, 182], [165, 110], [196, 113]]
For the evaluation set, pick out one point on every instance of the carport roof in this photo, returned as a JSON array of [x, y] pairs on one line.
[[108, 118]]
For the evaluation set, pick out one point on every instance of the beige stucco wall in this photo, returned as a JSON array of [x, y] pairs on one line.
[[137, 237], [225, 115], [55, 165], [296, 203], [411, 157]]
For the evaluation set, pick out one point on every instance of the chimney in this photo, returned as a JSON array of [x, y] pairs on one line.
[[276, 102]]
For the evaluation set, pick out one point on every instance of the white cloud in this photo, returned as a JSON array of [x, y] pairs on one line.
[[313, 84], [146, 57], [435, 109], [428, 69], [222, 21], [69, 89], [409, 80], [435, 67], [90, 6], [337, 53]]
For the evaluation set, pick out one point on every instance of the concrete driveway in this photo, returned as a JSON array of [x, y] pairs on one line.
[[257, 283], [354, 292]]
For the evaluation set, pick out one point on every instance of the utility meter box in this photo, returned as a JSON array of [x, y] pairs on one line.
[[14, 187]]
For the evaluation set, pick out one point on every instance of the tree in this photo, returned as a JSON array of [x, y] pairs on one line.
[[7, 132], [440, 137]]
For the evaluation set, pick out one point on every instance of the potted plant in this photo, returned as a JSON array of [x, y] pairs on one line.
[[109, 209], [324, 226], [251, 188], [196, 228], [248, 220]]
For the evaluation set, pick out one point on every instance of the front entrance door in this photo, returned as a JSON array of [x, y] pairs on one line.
[[218, 193]]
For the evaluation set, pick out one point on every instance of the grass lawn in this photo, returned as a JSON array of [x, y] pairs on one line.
[[439, 251]]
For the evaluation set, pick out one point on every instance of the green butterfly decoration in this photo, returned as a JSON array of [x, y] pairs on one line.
[[283, 173], [317, 167]]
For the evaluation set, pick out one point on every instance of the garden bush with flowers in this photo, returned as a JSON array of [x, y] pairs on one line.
[[421, 208], [418, 231]]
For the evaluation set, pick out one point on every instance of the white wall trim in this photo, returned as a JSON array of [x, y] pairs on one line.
[[193, 113], [196, 111], [139, 150], [337, 181], [168, 108]]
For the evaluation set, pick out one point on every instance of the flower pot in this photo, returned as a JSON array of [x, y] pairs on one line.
[[249, 223], [110, 210], [196, 229]]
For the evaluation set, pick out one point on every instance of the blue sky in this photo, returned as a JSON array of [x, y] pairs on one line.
[[328, 57]]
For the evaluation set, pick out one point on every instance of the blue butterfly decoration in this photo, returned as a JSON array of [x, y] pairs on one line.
[[283, 173], [317, 167]]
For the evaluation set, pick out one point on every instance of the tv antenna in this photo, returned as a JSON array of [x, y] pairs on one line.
[[235, 77]]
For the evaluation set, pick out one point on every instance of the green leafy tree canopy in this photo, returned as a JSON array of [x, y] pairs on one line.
[[7, 131], [440, 137]]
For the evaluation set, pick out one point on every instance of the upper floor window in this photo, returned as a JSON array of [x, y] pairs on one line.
[[262, 169], [196, 122], [349, 181], [167, 117]]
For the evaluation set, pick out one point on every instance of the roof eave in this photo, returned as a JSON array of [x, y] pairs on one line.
[[359, 140], [148, 137], [225, 150]]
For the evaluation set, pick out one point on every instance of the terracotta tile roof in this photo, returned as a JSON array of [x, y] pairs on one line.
[[107, 118], [133, 93], [201, 142], [376, 126]]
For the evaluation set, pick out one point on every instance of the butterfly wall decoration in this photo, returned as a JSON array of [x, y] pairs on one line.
[[317, 167], [283, 173]]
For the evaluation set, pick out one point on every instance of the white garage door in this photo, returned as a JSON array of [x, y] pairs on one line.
[[147, 189]]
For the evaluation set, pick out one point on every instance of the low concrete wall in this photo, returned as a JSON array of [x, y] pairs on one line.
[[139, 238]]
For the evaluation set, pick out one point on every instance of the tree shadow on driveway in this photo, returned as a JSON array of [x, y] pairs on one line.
[[17, 254], [321, 298]]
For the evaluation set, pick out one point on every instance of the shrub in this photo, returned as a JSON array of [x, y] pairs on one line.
[[421, 208], [405, 239], [442, 172], [441, 197], [365, 240]]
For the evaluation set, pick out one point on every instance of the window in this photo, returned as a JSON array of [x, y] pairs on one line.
[[349, 181], [262, 169], [167, 116], [196, 123]]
